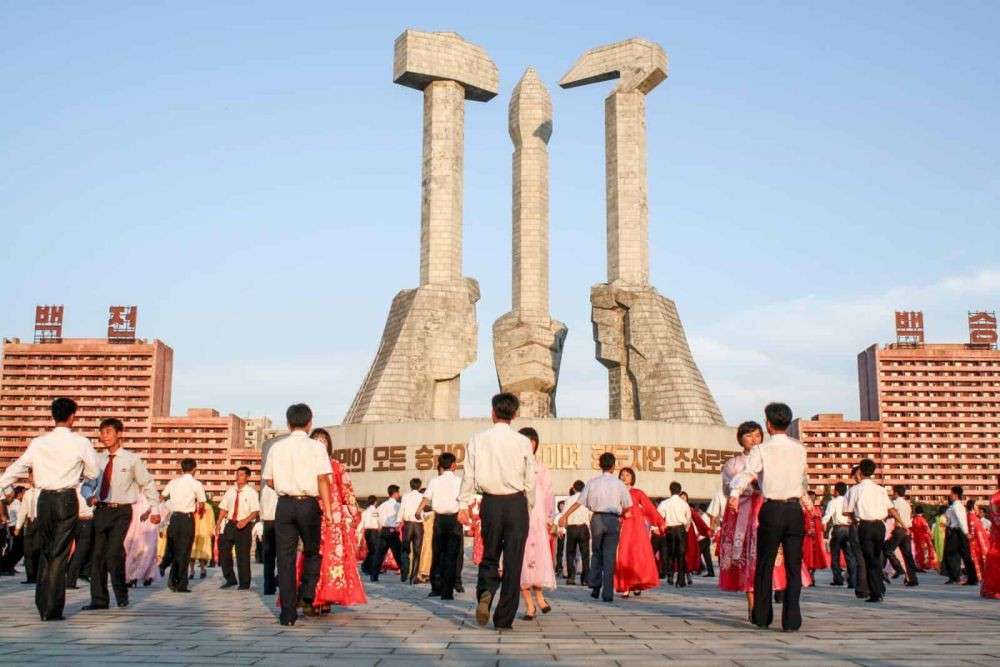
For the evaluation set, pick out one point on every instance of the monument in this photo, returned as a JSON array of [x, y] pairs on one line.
[[664, 422], [430, 334], [639, 336], [527, 343]]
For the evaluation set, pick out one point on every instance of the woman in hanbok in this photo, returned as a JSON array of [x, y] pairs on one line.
[[814, 553], [427, 548], [339, 581], [696, 530], [476, 531], [537, 570], [140, 546], [979, 541], [204, 533], [635, 566], [923, 545], [989, 586], [938, 535]]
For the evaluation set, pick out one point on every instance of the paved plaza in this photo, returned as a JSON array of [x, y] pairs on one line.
[[930, 625]]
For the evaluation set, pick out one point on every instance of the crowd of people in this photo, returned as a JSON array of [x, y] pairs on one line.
[[97, 516]]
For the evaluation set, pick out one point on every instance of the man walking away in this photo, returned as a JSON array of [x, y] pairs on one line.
[[869, 504], [838, 528], [956, 544], [186, 495], [442, 497], [268, 505], [413, 531], [607, 499], [900, 538], [500, 465]]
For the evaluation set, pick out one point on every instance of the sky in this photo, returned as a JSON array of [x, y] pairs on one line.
[[249, 175]]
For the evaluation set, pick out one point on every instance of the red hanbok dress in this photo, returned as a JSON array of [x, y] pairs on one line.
[[979, 543], [476, 531], [923, 545], [990, 580], [696, 531], [339, 582], [635, 566], [814, 553]]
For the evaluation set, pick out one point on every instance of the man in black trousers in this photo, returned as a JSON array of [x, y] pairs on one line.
[[369, 526], [239, 509], [298, 469], [577, 537], [442, 497], [80, 561], [869, 505], [123, 476], [900, 538], [560, 540], [413, 531], [27, 529], [187, 496], [956, 544], [268, 506], [500, 465], [58, 460], [780, 464]]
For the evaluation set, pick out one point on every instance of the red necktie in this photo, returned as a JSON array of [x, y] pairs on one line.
[[236, 506], [106, 479]]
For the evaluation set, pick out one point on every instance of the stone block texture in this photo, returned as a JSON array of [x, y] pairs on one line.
[[429, 338], [638, 334], [651, 373], [431, 332], [527, 343]]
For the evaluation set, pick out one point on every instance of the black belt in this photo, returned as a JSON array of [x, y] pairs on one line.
[[782, 500], [871, 520], [112, 505], [607, 513], [503, 495], [304, 497], [68, 489]]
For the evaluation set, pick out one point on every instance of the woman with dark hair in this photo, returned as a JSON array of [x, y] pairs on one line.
[[979, 541], [635, 566], [537, 571], [990, 581], [339, 582]]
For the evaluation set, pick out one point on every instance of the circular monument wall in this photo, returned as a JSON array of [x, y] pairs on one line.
[[383, 453]]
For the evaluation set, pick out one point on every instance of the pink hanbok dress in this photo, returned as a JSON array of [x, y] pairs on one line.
[[538, 570], [140, 545]]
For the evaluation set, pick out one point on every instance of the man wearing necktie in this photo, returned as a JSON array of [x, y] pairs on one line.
[[238, 510], [124, 476]]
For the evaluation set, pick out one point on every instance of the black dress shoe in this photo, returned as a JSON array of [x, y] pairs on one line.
[[287, 621], [202, 575], [123, 604], [874, 599], [228, 584], [897, 575], [182, 590], [595, 593], [860, 596], [447, 597], [147, 582], [29, 582], [92, 607], [970, 583], [459, 588], [910, 583], [434, 594], [60, 617]]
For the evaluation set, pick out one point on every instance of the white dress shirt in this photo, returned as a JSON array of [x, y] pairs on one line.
[[29, 507], [294, 464], [249, 502], [834, 514], [902, 506], [388, 513], [779, 465], [442, 493], [369, 518], [184, 492], [675, 511], [580, 516], [268, 503], [868, 501], [498, 461], [605, 493], [957, 517], [128, 477], [57, 459], [86, 511], [408, 506], [717, 506]]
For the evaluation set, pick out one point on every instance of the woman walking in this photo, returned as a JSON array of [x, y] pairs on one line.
[[537, 572], [635, 567]]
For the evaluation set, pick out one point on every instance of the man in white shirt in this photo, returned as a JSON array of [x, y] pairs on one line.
[[869, 504], [956, 542], [114, 492], [676, 515], [560, 538], [413, 531], [81, 560], [500, 465], [238, 511], [59, 460], [900, 538], [442, 497], [838, 526], [577, 527], [299, 469], [369, 526], [268, 506], [861, 587], [779, 465], [388, 533], [186, 496], [16, 550], [608, 500]]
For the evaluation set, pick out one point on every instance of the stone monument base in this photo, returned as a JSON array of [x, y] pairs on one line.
[[382, 453]]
